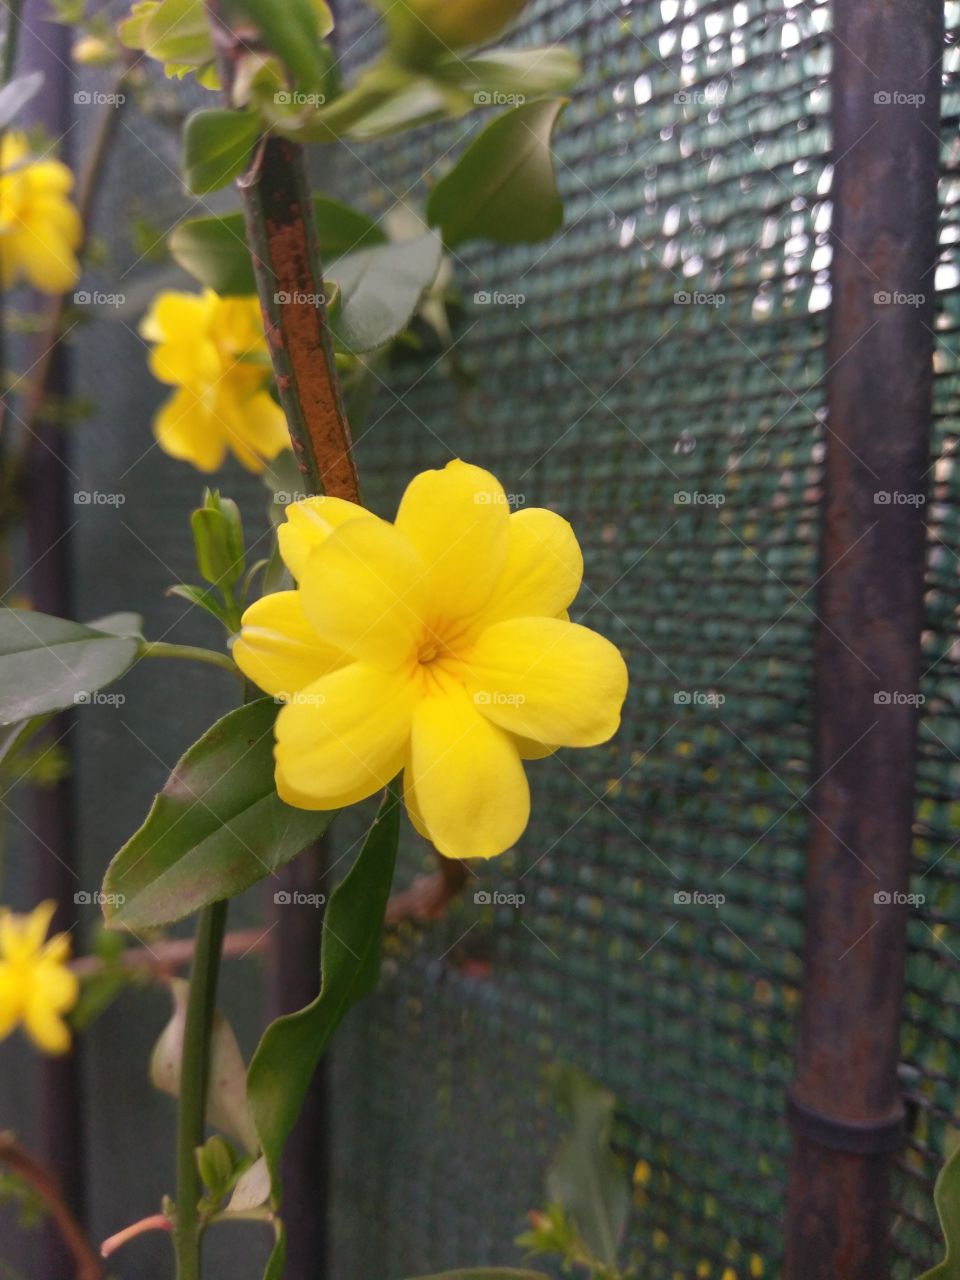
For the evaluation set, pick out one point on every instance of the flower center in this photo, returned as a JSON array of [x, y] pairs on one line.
[[428, 651]]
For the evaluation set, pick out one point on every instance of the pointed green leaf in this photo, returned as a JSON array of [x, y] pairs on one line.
[[946, 1195], [380, 289], [587, 1179], [48, 664], [294, 30], [216, 147], [217, 827], [498, 74], [214, 250], [503, 188], [291, 1047]]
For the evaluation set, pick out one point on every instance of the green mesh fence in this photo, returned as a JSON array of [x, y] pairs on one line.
[[655, 373]]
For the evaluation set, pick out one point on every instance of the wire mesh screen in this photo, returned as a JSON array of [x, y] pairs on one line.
[[655, 372], [931, 1038]]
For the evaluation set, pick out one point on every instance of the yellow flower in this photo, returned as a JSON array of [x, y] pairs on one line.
[[214, 352], [36, 986], [40, 229], [437, 645]]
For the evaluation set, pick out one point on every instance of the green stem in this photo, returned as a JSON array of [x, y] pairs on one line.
[[194, 1070], [189, 653], [11, 40]]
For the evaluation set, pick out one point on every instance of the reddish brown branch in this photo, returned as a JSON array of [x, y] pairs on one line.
[[429, 896], [43, 1183]]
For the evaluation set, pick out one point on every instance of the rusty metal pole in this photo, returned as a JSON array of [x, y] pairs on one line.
[[845, 1106]]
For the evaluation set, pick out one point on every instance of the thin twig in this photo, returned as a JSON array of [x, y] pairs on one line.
[[44, 1184]]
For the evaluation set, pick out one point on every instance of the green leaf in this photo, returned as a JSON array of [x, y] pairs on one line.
[[201, 597], [216, 147], [176, 32], [497, 74], [503, 188], [214, 250], [587, 1180], [380, 289], [48, 664], [946, 1195], [217, 827], [119, 624], [227, 1108], [15, 96], [291, 1047], [294, 30]]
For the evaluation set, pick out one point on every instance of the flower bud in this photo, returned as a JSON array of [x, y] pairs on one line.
[[422, 30], [218, 539]]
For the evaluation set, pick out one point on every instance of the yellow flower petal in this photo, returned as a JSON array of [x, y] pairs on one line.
[[258, 431], [55, 986], [46, 260], [278, 649], [543, 571], [185, 429], [458, 520], [48, 1031], [11, 999], [468, 786], [343, 737], [309, 523], [552, 681], [362, 591], [23, 936]]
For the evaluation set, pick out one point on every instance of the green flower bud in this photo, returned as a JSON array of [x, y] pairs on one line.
[[218, 539], [423, 30]]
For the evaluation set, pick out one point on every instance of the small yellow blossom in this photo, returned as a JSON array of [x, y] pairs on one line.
[[36, 986], [213, 350], [437, 645], [40, 228]]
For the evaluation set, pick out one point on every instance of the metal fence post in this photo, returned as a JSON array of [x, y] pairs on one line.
[[845, 1106]]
